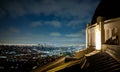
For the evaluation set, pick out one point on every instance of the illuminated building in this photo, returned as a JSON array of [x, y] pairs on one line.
[[103, 33], [104, 30]]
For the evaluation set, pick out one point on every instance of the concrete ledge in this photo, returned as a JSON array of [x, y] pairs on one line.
[[82, 52], [69, 64], [92, 53], [50, 65]]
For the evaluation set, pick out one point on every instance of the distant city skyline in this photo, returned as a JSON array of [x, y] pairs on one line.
[[57, 22]]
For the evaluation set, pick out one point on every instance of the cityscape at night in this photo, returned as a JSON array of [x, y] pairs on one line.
[[34, 33], [27, 57]]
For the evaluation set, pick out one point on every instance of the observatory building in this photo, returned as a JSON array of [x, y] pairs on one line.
[[103, 33]]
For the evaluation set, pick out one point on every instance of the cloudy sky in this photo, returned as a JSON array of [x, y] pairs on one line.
[[58, 22]]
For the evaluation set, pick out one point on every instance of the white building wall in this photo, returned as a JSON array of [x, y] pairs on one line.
[[109, 25], [91, 36]]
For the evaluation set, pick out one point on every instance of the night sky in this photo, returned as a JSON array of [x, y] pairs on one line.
[[57, 22]]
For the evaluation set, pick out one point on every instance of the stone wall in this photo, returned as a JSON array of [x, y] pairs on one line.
[[91, 36]]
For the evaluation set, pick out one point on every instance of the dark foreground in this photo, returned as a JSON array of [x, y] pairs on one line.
[[100, 62]]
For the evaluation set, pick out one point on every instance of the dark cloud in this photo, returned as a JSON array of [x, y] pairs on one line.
[[58, 7]]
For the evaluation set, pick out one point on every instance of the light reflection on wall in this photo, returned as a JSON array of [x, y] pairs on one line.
[[98, 38]]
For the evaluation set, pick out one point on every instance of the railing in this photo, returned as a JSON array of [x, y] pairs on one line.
[[113, 50]]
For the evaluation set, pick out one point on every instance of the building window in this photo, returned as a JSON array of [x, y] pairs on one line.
[[113, 32], [113, 39], [107, 34]]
